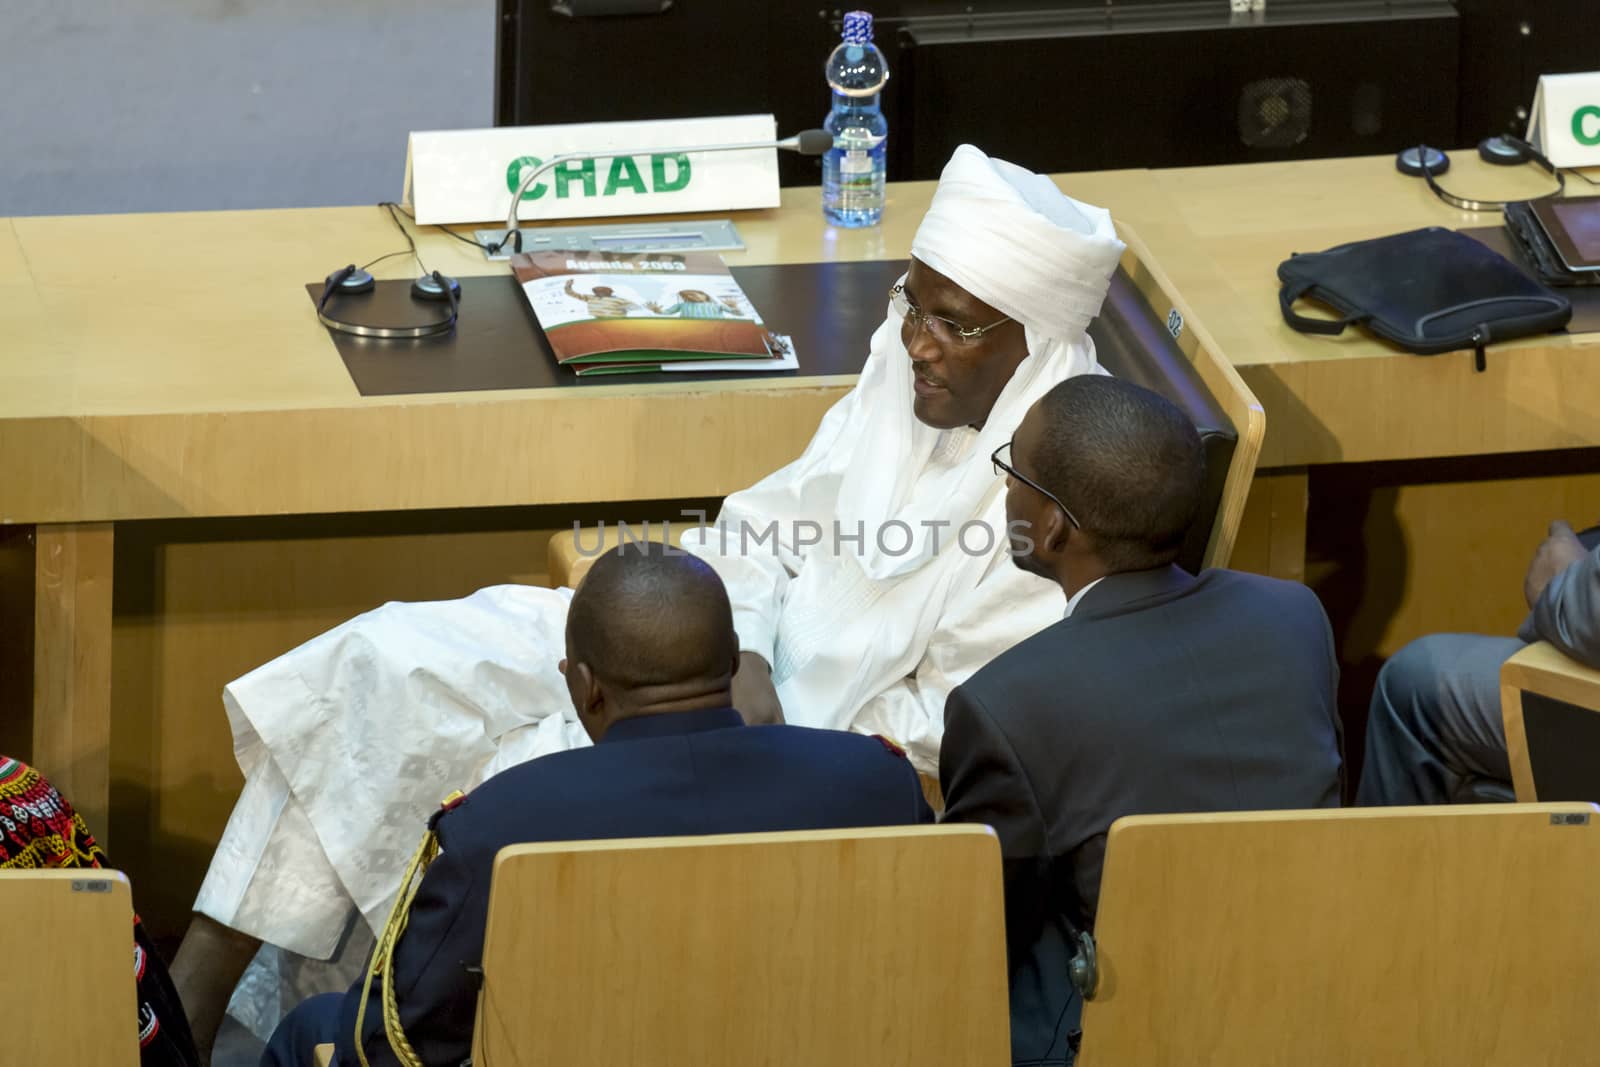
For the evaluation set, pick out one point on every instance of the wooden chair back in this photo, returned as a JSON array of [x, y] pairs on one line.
[[874, 946], [1460, 935], [1146, 333], [67, 984], [1551, 709]]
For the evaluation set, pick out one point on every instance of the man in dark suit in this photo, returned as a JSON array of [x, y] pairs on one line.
[[651, 654], [1158, 692]]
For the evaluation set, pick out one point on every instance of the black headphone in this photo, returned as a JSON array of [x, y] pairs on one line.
[[1503, 150], [353, 280]]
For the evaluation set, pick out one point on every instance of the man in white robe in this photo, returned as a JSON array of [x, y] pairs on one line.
[[869, 578]]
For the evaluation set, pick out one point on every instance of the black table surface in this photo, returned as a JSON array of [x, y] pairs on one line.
[[829, 309]]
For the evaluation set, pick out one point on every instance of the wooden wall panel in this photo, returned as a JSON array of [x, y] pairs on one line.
[[72, 664], [1272, 533]]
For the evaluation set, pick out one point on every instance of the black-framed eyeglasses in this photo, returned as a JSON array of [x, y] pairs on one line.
[[941, 329], [1004, 467]]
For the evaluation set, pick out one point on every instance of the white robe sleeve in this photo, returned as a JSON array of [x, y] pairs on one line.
[[763, 533], [1007, 606]]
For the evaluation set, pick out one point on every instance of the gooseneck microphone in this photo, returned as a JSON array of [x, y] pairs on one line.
[[806, 142]]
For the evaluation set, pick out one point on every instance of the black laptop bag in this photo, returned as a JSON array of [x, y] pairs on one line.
[[1427, 291]]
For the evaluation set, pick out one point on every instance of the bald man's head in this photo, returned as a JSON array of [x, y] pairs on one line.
[[651, 629]]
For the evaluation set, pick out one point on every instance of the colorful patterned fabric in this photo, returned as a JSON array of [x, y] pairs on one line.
[[39, 829]]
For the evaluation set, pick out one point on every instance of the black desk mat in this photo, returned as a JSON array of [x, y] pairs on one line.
[[1585, 299], [830, 309]]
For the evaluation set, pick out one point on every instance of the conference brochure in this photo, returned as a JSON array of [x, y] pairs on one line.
[[626, 312]]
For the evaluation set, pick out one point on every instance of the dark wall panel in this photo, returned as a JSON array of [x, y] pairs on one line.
[[1205, 96], [698, 57], [1506, 45], [1065, 84], [692, 59]]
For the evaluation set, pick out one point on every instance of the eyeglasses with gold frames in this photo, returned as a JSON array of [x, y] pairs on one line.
[[1004, 467], [941, 329]]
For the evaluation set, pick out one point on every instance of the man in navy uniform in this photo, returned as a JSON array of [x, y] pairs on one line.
[[651, 654]]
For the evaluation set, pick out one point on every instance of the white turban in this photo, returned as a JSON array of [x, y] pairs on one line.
[[1013, 240], [1010, 238]]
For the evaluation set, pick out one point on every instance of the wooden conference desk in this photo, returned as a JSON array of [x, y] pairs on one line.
[[163, 377]]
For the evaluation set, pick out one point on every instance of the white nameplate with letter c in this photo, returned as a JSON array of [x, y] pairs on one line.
[[455, 176], [1565, 124]]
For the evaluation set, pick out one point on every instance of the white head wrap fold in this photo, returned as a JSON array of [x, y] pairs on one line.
[[1013, 240]]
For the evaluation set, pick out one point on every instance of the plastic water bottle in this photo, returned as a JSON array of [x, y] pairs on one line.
[[853, 169]]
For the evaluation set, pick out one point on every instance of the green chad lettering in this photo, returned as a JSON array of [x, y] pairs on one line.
[[658, 173], [1588, 111], [572, 171], [514, 177], [624, 175]]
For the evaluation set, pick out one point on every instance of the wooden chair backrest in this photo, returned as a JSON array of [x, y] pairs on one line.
[[1551, 709], [1147, 333], [67, 982], [1459, 935], [874, 946]]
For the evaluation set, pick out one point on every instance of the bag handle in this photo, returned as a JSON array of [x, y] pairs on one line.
[[1287, 295]]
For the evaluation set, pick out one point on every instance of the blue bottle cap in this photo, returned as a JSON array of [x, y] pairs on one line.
[[858, 27]]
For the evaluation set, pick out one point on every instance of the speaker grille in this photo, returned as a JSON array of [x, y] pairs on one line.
[[1275, 113]]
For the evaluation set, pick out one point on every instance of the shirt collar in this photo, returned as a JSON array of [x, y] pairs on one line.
[[952, 446], [671, 723], [1072, 602]]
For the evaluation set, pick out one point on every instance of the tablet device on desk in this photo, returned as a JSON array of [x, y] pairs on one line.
[[1573, 226]]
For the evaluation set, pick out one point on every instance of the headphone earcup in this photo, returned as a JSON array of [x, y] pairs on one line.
[[350, 280], [1409, 161], [1503, 151], [1529, 153], [433, 287]]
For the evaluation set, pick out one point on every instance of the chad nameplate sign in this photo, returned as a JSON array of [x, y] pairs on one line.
[[1566, 119], [471, 175]]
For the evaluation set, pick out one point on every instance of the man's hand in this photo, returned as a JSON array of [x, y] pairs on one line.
[[754, 695], [1560, 550]]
